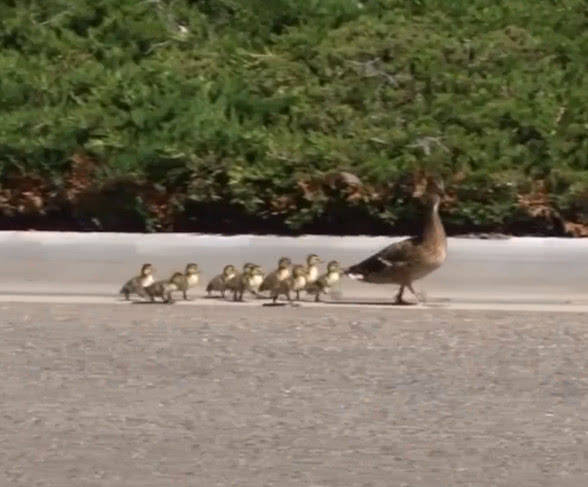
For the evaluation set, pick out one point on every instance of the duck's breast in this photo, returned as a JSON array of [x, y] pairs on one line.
[[256, 281], [147, 280], [193, 280], [313, 273], [333, 278], [299, 283]]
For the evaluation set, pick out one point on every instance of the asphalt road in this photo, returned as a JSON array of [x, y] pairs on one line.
[[151, 396]]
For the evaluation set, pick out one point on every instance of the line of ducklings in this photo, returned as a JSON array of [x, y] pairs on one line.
[[286, 280]]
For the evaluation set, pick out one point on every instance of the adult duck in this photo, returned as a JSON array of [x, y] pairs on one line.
[[408, 260]]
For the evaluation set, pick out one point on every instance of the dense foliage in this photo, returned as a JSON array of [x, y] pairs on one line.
[[293, 115]]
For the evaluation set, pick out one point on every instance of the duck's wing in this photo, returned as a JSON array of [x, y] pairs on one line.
[[396, 255], [215, 283], [131, 285], [234, 282], [269, 281], [318, 285], [181, 282]]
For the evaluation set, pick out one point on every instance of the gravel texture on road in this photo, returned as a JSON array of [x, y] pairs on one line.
[[154, 395]]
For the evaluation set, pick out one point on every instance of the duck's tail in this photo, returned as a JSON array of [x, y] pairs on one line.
[[354, 272]]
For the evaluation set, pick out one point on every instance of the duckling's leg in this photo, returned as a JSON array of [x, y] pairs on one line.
[[185, 294], [298, 295], [317, 297]]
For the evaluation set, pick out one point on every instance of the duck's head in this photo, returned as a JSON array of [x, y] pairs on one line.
[[229, 270], [256, 270], [247, 266], [284, 263], [333, 266], [191, 269], [147, 270], [299, 271], [313, 259], [431, 189]]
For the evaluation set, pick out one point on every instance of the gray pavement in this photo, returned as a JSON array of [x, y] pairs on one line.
[[516, 273], [150, 396]]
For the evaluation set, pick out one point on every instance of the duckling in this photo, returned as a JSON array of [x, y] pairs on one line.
[[408, 260], [218, 283], [164, 288], [281, 273], [312, 269], [327, 280], [243, 282], [257, 277], [296, 282], [189, 279], [137, 284]]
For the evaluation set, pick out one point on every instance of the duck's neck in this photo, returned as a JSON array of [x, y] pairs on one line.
[[433, 231]]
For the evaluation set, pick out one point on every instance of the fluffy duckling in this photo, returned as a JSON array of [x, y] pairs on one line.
[[164, 288], [136, 284], [189, 279], [218, 283], [257, 278], [243, 282], [312, 269], [296, 282], [327, 280], [281, 273]]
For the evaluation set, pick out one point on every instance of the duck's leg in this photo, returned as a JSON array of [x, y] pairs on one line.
[[399, 299], [298, 295], [420, 296]]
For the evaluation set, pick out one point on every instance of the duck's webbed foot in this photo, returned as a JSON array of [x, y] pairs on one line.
[[398, 299], [421, 296]]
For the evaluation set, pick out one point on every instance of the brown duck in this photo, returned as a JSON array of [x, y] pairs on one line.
[[408, 260], [137, 284], [296, 282], [219, 283], [324, 283], [244, 281], [281, 273], [189, 279], [163, 289]]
